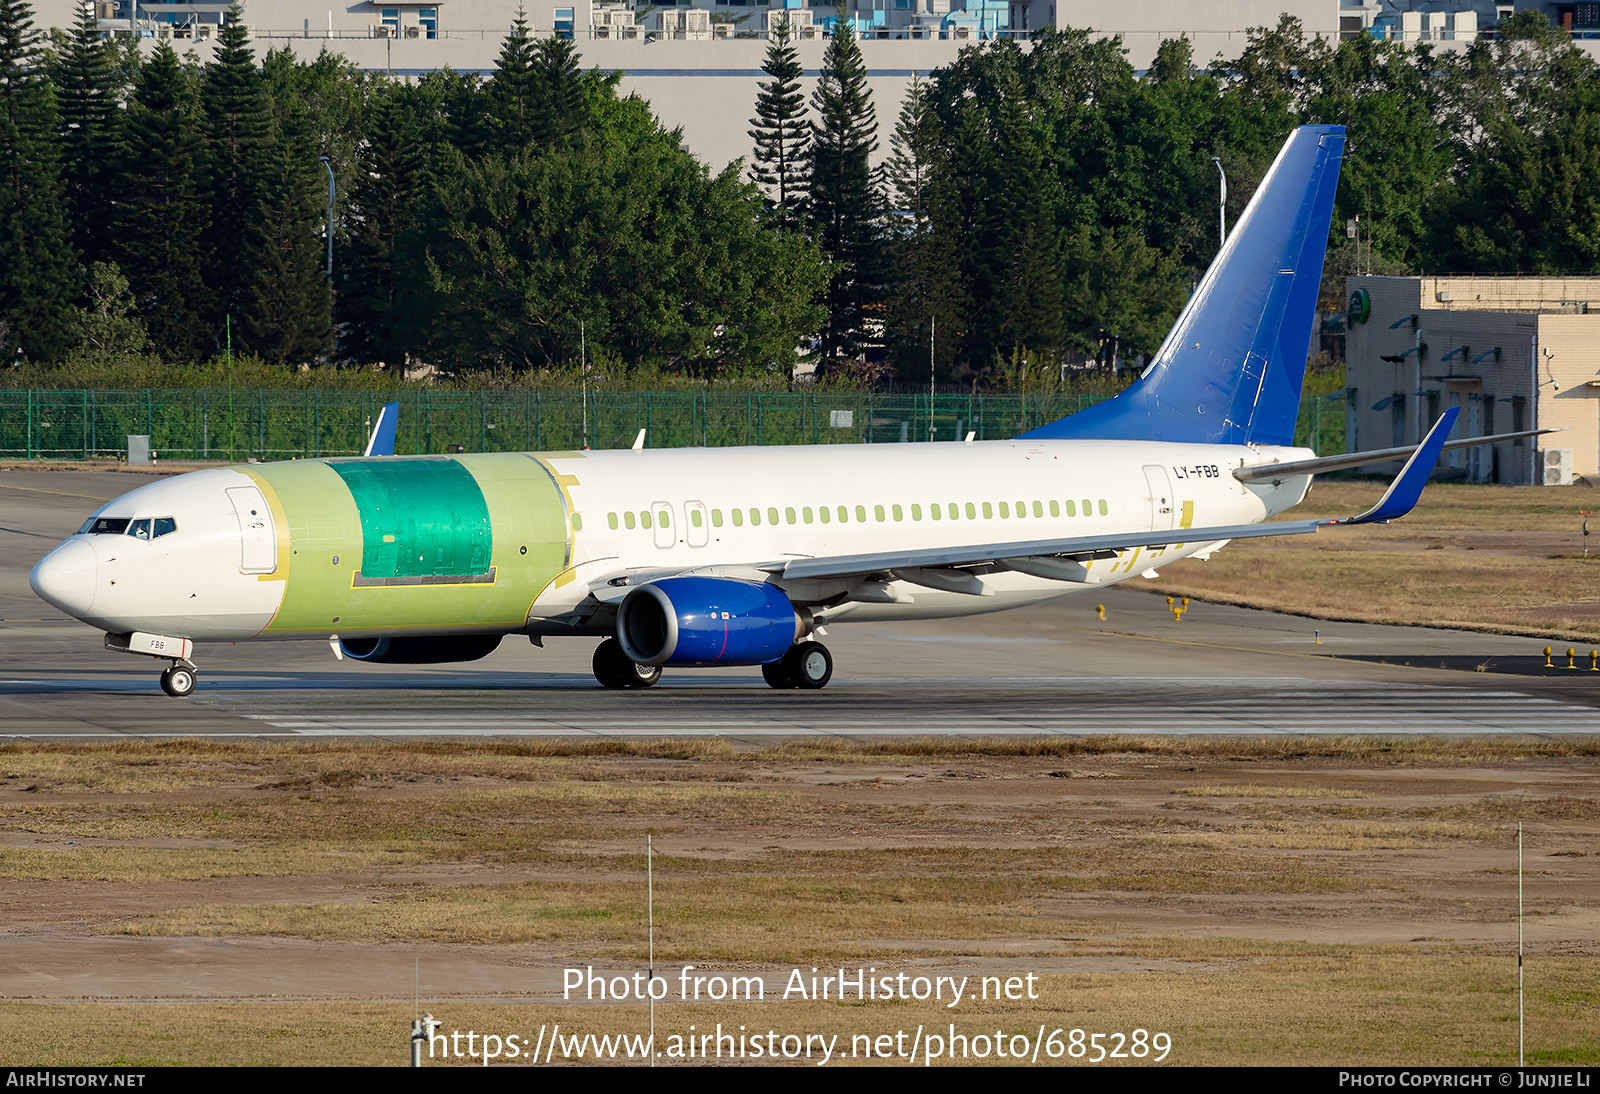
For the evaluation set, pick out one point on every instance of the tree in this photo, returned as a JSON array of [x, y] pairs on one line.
[[515, 97], [781, 135], [925, 298], [842, 202], [287, 314], [39, 274], [161, 223], [88, 86], [237, 130]]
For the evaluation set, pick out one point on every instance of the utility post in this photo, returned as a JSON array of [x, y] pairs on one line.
[[1222, 204]]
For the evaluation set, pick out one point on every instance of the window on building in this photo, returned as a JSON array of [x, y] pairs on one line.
[[391, 20], [428, 20], [563, 24]]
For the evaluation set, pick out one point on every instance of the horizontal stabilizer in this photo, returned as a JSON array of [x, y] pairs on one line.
[[1258, 472]]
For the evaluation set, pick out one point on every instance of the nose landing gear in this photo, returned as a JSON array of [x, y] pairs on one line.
[[178, 681]]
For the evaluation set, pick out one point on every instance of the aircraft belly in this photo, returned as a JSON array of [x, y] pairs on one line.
[[415, 545]]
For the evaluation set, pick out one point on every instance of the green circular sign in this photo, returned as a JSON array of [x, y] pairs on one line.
[[1360, 307]]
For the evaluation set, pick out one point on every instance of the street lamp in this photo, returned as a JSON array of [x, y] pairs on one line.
[[329, 166], [1222, 206]]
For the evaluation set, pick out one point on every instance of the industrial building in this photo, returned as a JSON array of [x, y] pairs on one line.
[[1512, 353], [698, 61]]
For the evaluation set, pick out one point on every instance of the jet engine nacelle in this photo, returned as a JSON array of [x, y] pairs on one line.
[[424, 650], [707, 621]]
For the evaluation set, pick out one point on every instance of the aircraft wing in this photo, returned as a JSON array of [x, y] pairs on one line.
[[1400, 498]]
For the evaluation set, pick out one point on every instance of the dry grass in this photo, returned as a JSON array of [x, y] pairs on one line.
[[1346, 1006], [1200, 862], [1254, 790]]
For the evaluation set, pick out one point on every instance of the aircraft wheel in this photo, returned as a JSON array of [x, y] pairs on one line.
[[776, 674], [810, 665], [612, 667], [178, 681], [643, 676]]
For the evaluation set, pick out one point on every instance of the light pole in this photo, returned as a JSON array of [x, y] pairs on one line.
[[329, 166], [1222, 205]]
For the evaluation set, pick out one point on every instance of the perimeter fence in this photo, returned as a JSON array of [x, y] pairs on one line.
[[216, 424]]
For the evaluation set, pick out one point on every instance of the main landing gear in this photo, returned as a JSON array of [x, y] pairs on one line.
[[807, 665], [616, 669]]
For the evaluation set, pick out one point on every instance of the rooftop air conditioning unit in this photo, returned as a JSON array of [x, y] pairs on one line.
[[105, 10], [413, 32], [1556, 465], [383, 32], [961, 32], [721, 30]]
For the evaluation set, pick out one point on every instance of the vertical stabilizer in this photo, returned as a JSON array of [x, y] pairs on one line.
[[1231, 368]]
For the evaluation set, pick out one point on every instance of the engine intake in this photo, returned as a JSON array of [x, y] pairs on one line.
[[707, 621], [434, 649]]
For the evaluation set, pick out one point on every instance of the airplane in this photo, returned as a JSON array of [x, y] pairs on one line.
[[704, 557]]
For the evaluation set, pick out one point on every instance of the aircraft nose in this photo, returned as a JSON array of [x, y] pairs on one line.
[[66, 576]]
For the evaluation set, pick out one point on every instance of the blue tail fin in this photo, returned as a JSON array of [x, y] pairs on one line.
[[1230, 370]]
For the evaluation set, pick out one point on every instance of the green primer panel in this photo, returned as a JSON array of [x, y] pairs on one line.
[[419, 518], [525, 547]]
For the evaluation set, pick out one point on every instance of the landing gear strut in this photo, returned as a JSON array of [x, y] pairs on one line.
[[807, 665], [616, 669]]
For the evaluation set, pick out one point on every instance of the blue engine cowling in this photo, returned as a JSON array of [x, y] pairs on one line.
[[706, 621]]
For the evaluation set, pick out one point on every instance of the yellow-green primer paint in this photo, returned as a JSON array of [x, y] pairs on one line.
[[526, 541]]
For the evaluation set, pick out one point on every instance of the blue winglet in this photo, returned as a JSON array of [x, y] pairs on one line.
[[382, 442], [1403, 493], [1231, 368]]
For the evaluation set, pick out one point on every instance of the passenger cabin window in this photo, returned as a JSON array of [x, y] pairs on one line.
[[1103, 510], [644, 519], [1005, 510], [738, 517], [577, 522], [627, 518], [933, 511], [788, 515], [716, 517], [988, 511], [1088, 507], [1072, 508], [899, 514], [972, 512], [916, 512], [805, 514], [611, 520], [772, 515], [822, 512], [861, 514], [755, 517], [695, 518], [877, 511]]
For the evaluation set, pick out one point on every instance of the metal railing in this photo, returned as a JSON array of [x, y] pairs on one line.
[[214, 424]]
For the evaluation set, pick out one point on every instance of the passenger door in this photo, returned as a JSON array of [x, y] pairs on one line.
[[661, 517]]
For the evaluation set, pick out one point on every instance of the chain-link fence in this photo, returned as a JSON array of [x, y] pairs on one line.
[[216, 424]]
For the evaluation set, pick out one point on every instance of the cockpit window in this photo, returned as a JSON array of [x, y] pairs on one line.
[[139, 529], [105, 526], [165, 525]]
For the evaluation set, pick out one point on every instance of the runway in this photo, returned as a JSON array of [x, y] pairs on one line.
[[1052, 670]]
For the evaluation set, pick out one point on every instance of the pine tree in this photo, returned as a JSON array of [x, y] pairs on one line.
[[39, 274], [288, 311], [382, 204], [237, 130], [925, 299], [781, 135], [161, 224], [514, 93], [841, 192], [88, 87], [564, 103]]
